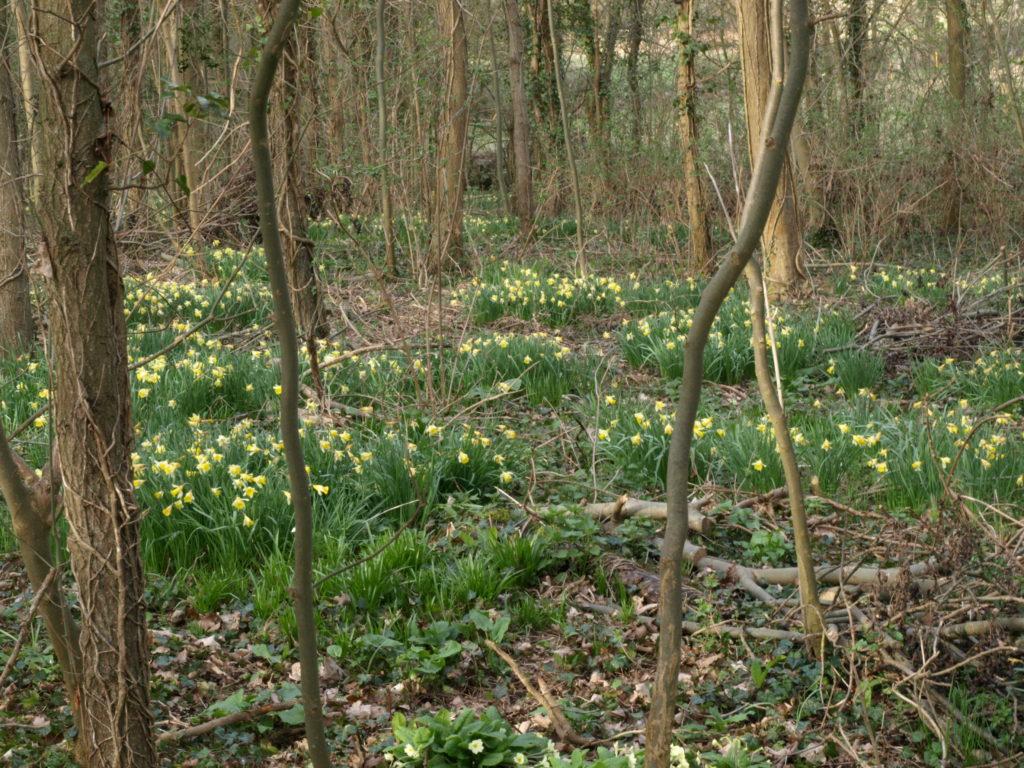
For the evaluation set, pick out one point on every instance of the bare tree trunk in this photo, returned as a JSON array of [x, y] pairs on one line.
[[30, 100], [499, 120], [570, 155], [16, 325], [808, 584], [293, 165], [448, 245], [543, 89], [780, 111], [92, 404], [782, 240], [856, 37], [298, 481], [956, 44], [636, 37], [382, 140], [523, 198], [701, 256]]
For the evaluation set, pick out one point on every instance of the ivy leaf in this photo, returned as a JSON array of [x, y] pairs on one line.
[[94, 173]]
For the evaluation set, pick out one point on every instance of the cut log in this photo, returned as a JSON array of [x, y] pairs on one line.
[[624, 507]]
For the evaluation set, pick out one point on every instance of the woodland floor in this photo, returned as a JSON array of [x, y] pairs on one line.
[[535, 394]]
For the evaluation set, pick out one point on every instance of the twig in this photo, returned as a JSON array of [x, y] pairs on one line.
[[542, 695]]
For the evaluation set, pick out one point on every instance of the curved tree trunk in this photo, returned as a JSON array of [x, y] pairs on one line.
[[782, 239], [523, 193], [92, 396], [781, 108], [16, 326], [696, 197], [298, 481]]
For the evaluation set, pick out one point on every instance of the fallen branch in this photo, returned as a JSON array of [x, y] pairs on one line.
[[827, 574], [542, 695], [243, 716], [975, 628], [624, 507]]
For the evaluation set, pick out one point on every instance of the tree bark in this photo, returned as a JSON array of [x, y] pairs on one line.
[[780, 111], [523, 194], [298, 481], [701, 255], [956, 45], [92, 396], [16, 325], [782, 240], [448, 245]]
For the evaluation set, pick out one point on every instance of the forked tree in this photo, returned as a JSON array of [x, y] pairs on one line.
[[780, 112]]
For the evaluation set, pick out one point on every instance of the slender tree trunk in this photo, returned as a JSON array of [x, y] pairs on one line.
[[780, 111], [293, 165], [448, 245], [701, 255], [92, 404], [856, 37], [543, 89], [570, 155], [636, 37], [499, 120], [956, 45], [30, 101], [298, 481], [523, 197], [782, 241], [808, 582], [382, 141], [16, 326]]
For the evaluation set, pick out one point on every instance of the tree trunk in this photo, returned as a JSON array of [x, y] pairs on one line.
[[30, 101], [92, 396], [696, 197], [781, 107], [382, 149], [448, 246], [782, 239], [956, 44], [570, 155], [856, 37], [16, 327], [636, 33], [298, 481], [293, 170], [523, 198], [543, 89]]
